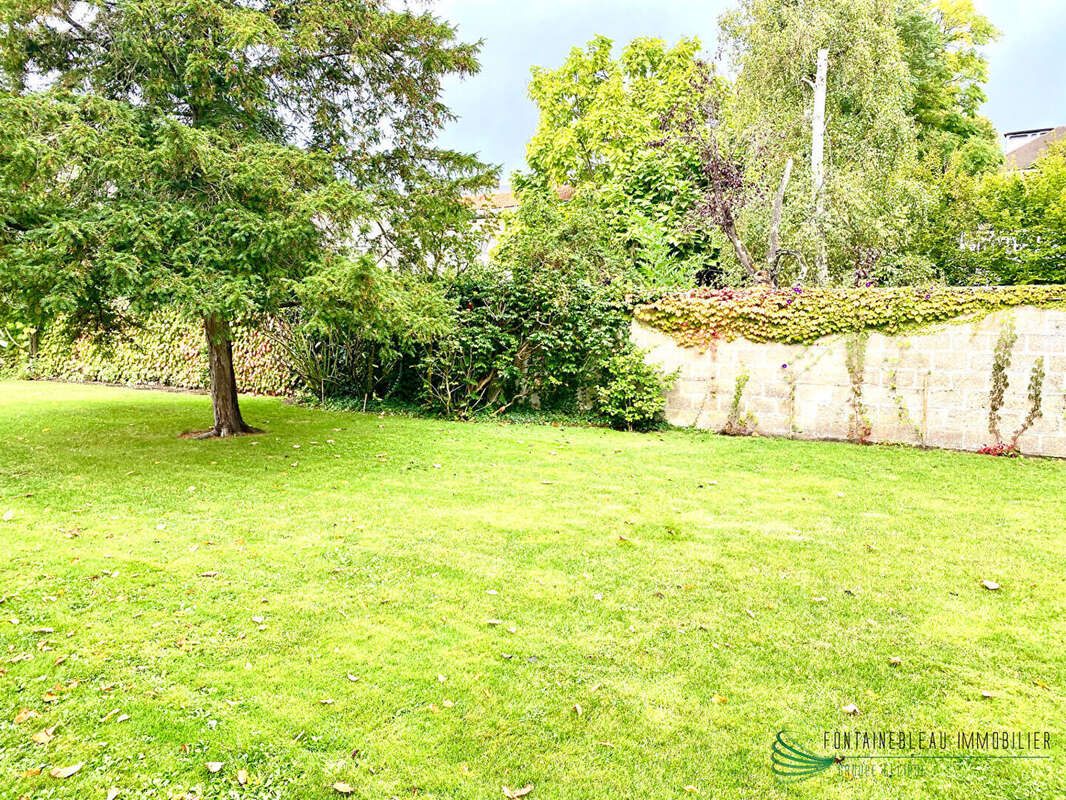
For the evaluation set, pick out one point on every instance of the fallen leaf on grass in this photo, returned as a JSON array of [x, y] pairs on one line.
[[895, 661], [44, 736], [718, 699], [65, 772], [577, 709], [353, 678], [513, 794], [24, 715], [8, 515], [990, 585], [851, 710], [448, 703], [112, 793], [326, 701], [692, 789], [342, 788], [242, 776], [986, 694], [213, 766], [113, 712], [821, 599]]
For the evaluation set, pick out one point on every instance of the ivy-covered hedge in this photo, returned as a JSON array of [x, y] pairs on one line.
[[799, 315], [164, 351]]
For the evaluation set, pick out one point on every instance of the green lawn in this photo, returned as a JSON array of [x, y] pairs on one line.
[[313, 605]]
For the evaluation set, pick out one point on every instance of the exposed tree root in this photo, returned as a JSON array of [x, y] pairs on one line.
[[221, 433]]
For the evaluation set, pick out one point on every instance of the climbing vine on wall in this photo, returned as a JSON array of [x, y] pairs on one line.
[[165, 351], [738, 424], [1001, 361], [859, 427], [802, 315]]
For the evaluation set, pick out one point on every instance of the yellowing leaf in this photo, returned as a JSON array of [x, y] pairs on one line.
[[24, 715], [851, 709], [895, 661], [514, 794], [213, 766], [65, 772], [990, 585], [342, 788], [45, 736], [718, 699], [112, 793], [242, 776]]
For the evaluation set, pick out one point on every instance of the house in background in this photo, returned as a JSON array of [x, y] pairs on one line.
[[1022, 148], [491, 208]]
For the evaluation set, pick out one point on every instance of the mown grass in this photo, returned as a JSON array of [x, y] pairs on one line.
[[645, 577]]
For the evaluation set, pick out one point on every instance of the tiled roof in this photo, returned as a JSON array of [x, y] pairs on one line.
[[1025, 156], [503, 201]]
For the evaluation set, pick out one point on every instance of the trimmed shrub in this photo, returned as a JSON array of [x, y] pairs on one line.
[[632, 393]]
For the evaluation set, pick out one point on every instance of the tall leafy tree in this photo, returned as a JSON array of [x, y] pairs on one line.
[[870, 141], [222, 158], [1022, 233], [942, 41], [600, 114]]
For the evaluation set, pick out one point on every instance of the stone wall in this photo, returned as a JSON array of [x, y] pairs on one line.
[[931, 387]]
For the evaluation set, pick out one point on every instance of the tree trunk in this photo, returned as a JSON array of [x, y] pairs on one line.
[[775, 222], [228, 420], [817, 164]]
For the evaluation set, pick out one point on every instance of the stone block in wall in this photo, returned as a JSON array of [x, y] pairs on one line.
[[941, 377]]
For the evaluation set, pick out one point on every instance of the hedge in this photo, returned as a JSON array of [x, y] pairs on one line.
[[163, 351], [800, 315]]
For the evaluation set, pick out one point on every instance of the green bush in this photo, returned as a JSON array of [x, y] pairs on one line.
[[632, 393], [533, 328]]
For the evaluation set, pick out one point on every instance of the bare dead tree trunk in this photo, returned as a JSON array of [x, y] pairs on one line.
[[817, 164], [729, 228], [775, 219], [228, 420]]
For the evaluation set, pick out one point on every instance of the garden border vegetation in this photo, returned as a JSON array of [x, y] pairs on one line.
[[800, 315]]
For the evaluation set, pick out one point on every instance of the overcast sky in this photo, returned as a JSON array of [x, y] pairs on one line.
[[1027, 86]]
